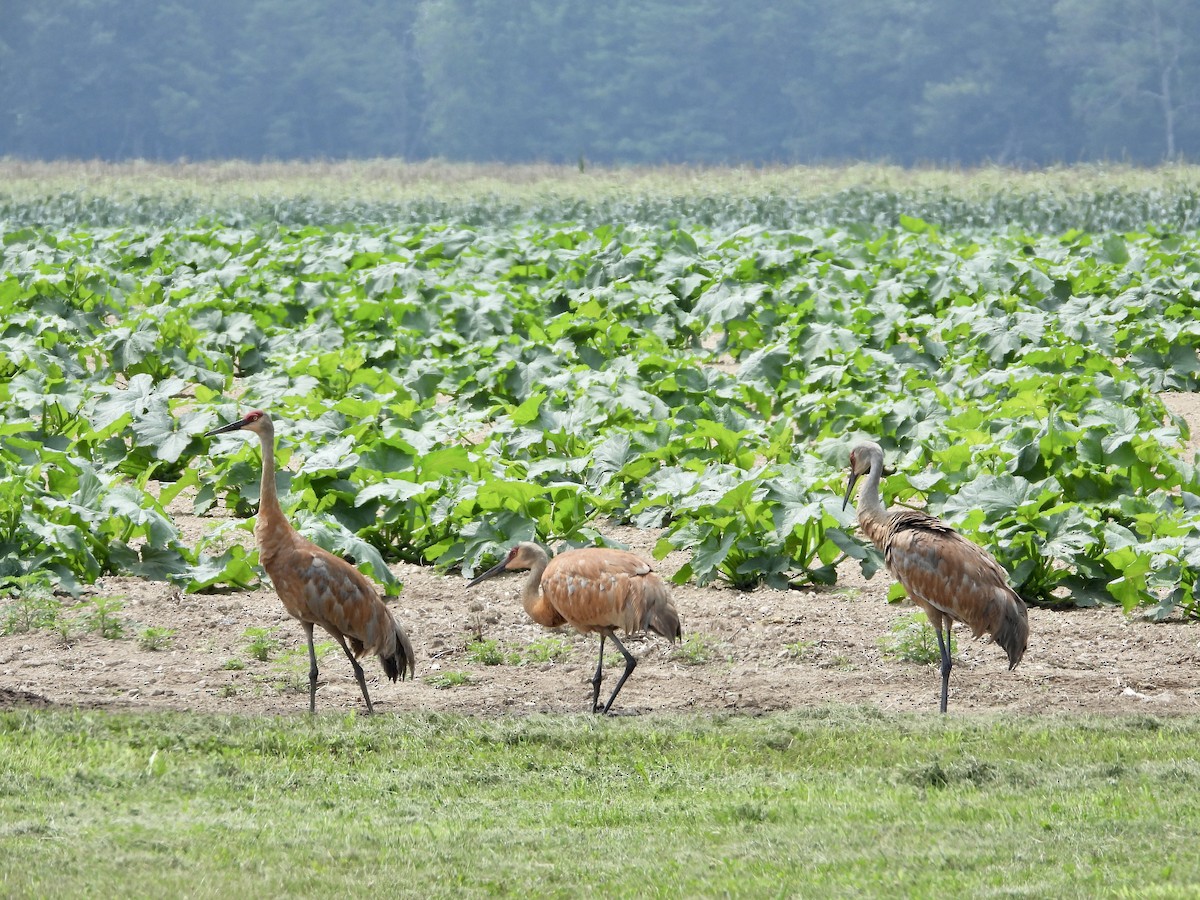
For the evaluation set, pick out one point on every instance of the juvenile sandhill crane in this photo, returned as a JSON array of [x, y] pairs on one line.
[[596, 589], [317, 587], [946, 575]]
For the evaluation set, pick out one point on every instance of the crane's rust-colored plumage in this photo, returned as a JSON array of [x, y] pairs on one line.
[[319, 588], [945, 574], [593, 589]]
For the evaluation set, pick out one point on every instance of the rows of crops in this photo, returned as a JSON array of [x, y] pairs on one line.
[[442, 389], [1173, 208]]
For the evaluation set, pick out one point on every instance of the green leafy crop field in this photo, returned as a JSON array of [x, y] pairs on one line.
[[447, 386], [677, 361]]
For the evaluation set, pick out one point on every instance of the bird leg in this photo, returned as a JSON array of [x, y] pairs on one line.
[[358, 672], [596, 678], [947, 662], [630, 663], [312, 668]]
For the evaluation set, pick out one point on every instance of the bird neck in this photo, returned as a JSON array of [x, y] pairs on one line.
[[871, 511], [269, 510], [534, 601]]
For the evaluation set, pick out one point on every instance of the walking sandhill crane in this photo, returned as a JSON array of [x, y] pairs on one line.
[[596, 589], [945, 574], [317, 587]]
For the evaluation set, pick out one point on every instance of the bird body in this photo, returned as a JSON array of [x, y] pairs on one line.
[[948, 576], [318, 588], [593, 589]]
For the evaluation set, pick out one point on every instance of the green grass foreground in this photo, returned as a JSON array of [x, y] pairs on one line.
[[821, 803]]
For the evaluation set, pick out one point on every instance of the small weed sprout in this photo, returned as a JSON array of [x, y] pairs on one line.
[[32, 607], [263, 643], [291, 668], [912, 639], [155, 638], [489, 652], [547, 649], [799, 649], [445, 680], [101, 617], [233, 665], [696, 650]]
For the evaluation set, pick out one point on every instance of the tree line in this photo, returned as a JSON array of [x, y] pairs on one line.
[[1020, 82]]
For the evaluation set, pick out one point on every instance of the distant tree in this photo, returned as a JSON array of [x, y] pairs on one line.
[[1135, 67], [315, 79], [994, 94], [870, 61], [195, 89], [496, 77], [705, 81], [702, 81], [78, 80]]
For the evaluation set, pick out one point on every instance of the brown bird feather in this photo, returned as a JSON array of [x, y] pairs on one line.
[[948, 576], [318, 588], [593, 589]]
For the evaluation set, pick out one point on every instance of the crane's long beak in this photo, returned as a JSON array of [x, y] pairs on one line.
[[850, 488], [494, 570], [232, 426]]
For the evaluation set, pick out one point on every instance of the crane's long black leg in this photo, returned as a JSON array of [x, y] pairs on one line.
[[358, 673], [596, 678], [312, 668], [630, 663], [947, 662]]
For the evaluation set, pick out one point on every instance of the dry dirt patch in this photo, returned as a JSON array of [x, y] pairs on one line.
[[766, 650]]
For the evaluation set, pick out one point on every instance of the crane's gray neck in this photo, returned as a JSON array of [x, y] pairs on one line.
[[268, 496], [868, 499], [536, 605], [872, 515]]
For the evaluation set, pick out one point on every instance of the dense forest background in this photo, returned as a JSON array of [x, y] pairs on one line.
[[1017, 82]]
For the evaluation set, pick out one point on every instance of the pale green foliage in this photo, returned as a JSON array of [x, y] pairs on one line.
[[799, 649], [546, 649], [99, 615], [155, 637], [31, 605], [448, 679], [657, 363], [289, 670], [262, 643], [912, 639], [489, 652], [695, 649]]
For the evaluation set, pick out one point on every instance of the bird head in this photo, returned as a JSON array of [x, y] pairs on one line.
[[862, 458], [523, 556], [256, 420]]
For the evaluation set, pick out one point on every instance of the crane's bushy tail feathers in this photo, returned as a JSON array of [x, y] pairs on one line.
[[401, 663], [1013, 631]]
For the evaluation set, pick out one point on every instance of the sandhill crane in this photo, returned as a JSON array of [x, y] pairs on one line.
[[317, 587], [595, 589], [945, 574]]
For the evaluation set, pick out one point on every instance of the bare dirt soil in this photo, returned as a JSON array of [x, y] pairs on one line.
[[750, 652]]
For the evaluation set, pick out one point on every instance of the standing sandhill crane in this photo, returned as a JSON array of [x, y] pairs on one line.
[[317, 587], [596, 589], [946, 575]]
